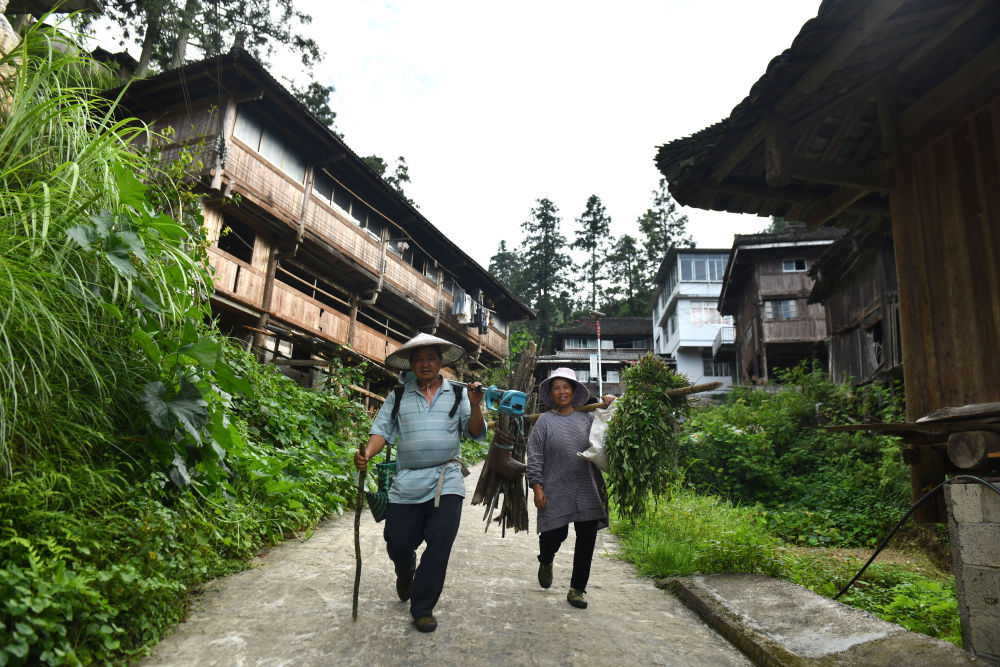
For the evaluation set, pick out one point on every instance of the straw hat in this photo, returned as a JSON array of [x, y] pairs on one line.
[[580, 391], [400, 359]]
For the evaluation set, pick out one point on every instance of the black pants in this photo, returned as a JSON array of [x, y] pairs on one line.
[[583, 551], [406, 526]]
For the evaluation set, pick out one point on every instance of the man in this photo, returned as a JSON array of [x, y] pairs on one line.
[[425, 499]]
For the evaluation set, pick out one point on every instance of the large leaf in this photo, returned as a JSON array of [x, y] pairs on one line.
[[130, 190], [148, 345], [190, 409], [179, 473], [156, 407], [229, 381], [205, 350], [119, 255]]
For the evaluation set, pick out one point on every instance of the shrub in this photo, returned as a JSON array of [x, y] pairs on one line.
[[816, 487]]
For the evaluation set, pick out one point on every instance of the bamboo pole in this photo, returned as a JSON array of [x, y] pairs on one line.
[[357, 534], [669, 393]]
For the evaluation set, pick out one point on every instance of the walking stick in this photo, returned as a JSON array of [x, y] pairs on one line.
[[357, 534]]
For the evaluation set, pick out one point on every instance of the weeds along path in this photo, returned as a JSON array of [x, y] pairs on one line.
[[294, 608]]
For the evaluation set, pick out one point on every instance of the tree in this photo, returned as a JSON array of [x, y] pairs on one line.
[[505, 267], [629, 294], [545, 265], [594, 238], [316, 97], [400, 175], [663, 227], [166, 30]]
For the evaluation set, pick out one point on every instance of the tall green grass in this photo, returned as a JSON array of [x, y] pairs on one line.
[[81, 257], [689, 533]]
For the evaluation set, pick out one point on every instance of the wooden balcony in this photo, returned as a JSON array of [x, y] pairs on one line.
[[273, 190], [794, 331]]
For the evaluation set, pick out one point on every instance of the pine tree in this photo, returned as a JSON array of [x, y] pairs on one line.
[[505, 267], [593, 236], [663, 227], [545, 267], [630, 292]]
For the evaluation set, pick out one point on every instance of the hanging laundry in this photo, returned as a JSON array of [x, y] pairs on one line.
[[459, 301]]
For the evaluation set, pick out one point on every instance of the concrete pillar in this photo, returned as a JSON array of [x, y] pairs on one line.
[[974, 523]]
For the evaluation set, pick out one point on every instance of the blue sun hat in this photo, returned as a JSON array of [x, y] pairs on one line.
[[580, 392]]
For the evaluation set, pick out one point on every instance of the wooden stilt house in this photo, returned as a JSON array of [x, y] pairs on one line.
[[314, 254]]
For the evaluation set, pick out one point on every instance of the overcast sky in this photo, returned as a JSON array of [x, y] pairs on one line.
[[497, 104]]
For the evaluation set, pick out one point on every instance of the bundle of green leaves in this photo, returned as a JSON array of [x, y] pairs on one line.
[[642, 438]]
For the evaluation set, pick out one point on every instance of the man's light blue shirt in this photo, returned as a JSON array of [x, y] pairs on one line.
[[428, 439]]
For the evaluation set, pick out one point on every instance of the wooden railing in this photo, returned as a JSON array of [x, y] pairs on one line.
[[778, 331], [237, 278]]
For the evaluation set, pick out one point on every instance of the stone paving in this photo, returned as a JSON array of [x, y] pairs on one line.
[[294, 608]]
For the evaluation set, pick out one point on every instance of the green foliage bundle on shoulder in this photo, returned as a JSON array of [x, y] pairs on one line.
[[642, 437]]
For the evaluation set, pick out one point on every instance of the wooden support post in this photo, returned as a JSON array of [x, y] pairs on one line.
[[227, 120], [265, 306], [352, 323]]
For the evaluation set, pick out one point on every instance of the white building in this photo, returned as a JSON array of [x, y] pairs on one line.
[[687, 326]]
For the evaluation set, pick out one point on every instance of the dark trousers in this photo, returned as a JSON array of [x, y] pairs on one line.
[[583, 551], [406, 526]]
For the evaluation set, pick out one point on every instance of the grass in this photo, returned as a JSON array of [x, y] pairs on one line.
[[689, 533]]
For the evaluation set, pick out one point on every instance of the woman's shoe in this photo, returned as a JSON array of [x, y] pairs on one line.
[[426, 623], [577, 598], [544, 575]]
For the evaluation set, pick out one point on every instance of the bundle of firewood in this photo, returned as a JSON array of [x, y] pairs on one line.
[[503, 470]]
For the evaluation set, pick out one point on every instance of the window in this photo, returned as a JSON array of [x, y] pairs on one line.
[[781, 309], [237, 238], [582, 375], [254, 133], [580, 343], [631, 344], [612, 376], [790, 265], [705, 312], [672, 324], [714, 368], [703, 268]]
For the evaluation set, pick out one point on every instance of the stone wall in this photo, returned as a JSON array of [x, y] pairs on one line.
[[974, 522]]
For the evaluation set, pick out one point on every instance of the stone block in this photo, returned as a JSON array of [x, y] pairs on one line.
[[991, 504], [979, 544], [965, 504]]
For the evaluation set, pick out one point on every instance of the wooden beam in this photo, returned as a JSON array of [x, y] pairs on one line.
[[941, 34], [793, 195], [777, 154], [862, 178], [973, 84], [833, 205]]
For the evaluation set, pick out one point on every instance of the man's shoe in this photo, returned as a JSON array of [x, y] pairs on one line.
[[426, 623], [577, 598], [404, 588], [544, 575]]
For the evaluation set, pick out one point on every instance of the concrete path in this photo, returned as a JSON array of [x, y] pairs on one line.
[[294, 608]]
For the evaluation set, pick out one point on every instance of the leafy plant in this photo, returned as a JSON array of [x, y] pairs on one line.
[[816, 487], [642, 436]]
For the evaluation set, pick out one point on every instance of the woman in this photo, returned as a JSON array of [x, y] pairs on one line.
[[567, 487]]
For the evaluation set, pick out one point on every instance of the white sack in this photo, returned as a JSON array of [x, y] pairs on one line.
[[596, 453]]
